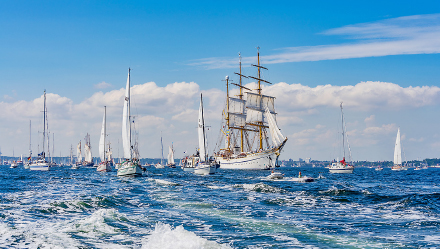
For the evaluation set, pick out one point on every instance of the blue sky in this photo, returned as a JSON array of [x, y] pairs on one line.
[[76, 49]]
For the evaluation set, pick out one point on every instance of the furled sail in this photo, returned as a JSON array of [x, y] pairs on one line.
[[275, 133], [398, 150], [201, 132], [125, 121], [170, 155], [101, 146]]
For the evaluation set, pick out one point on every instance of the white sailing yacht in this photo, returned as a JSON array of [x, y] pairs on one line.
[[247, 120], [104, 166], [341, 166], [398, 154], [160, 165], [171, 162], [131, 165], [41, 163], [78, 155], [29, 159], [204, 165]]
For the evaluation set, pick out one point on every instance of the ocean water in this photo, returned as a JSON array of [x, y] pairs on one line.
[[169, 208]]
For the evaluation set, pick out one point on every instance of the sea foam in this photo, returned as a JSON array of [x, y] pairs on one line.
[[164, 236]]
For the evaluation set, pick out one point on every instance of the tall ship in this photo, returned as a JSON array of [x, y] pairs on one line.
[[41, 163], [88, 159], [252, 139]]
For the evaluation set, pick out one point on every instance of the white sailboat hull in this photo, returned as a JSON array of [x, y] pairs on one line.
[[256, 161], [340, 168], [205, 169], [41, 166], [104, 167], [129, 169], [346, 171], [398, 168]]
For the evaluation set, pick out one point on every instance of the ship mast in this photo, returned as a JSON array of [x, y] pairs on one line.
[[228, 132], [343, 132], [259, 67], [105, 126], [44, 122], [30, 140], [129, 114], [241, 97]]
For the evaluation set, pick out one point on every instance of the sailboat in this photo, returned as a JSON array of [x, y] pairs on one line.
[[171, 162], [131, 165], [398, 154], [204, 166], [78, 155], [341, 166], [71, 163], [160, 165], [104, 166], [20, 162], [88, 159], [41, 163], [29, 159], [247, 120]]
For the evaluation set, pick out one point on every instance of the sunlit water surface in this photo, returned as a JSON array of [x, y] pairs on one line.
[[169, 208]]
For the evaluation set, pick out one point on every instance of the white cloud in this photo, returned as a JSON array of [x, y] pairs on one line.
[[364, 95], [404, 35], [308, 116], [103, 85], [370, 120], [382, 130]]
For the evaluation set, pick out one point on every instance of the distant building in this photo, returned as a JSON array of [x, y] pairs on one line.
[[301, 160], [308, 160]]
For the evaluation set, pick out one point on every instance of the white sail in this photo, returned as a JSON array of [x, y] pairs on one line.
[[398, 150], [275, 133], [109, 154], [78, 152], [201, 132], [254, 116], [236, 105], [170, 155], [87, 153], [260, 102], [101, 146], [237, 120], [125, 121]]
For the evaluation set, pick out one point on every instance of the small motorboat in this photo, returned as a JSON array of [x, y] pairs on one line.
[[275, 176]]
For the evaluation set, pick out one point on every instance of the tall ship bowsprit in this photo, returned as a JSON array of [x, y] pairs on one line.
[[249, 122]]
